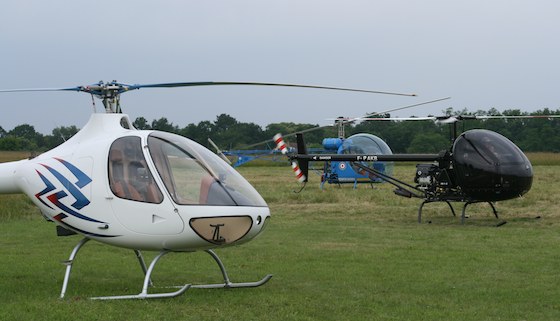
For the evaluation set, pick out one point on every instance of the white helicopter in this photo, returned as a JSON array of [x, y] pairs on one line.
[[142, 189]]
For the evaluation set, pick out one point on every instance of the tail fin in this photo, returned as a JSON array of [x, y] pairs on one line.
[[300, 174], [302, 150]]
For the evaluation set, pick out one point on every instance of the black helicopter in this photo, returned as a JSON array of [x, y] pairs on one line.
[[482, 166]]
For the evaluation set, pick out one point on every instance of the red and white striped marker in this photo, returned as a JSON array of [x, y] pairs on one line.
[[298, 172], [280, 143], [282, 147]]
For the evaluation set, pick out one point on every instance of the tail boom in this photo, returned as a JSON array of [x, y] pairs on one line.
[[9, 177]]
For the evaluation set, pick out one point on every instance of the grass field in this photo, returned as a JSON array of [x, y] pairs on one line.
[[337, 254]]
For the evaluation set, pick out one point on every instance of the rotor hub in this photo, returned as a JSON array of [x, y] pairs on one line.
[[109, 93]]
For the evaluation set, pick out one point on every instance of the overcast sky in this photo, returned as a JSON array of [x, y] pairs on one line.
[[483, 53]]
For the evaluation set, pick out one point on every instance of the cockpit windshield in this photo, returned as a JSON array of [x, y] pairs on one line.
[[365, 144], [193, 175], [485, 147]]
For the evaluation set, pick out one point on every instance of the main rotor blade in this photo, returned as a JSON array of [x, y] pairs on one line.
[[406, 107], [351, 120], [369, 115], [235, 83], [41, 89], [109, 89], [454, 119], [399, 118], [514, 117]]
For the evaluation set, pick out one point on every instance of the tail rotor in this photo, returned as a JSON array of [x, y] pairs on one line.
[[301, 169]]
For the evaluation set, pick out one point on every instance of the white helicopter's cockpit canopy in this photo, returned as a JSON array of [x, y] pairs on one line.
[[191, 174]]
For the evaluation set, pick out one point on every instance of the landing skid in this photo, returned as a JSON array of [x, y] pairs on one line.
[[148, 282], [463, 212], [467, 204], [429, 201]]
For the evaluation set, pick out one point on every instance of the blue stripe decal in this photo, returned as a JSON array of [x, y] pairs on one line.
[[55, 199], [54, 193], [50, 187], [83, 179], [81, 200]]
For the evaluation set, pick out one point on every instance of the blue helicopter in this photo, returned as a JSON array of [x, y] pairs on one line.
[[341, 172]]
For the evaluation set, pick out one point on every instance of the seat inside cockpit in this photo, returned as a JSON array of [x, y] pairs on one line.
[[129, 176]]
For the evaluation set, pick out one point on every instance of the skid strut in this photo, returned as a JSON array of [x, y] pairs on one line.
[[148, 281], [463, 212], [69, 265], [227, 283], [428, 201], [467, 204]]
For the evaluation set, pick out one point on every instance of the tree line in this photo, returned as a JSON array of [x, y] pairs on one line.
[[530, 134]]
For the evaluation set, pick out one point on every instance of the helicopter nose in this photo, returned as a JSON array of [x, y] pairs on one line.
[[224, 230], [261, 223]]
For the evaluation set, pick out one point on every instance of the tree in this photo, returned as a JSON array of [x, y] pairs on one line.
[[533, 135], [428, 143], [29, 138], [164, 125], [223, 132], [224, 122], [24, 131], [141, 123], [189, 131], [199, 133], [65, 133], [16, 143], [240, 135], [248, 133], [58, 136]]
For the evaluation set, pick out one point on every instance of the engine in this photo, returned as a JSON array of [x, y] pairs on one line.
[[432, 178]]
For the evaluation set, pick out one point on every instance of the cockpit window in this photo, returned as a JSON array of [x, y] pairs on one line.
[[365, 144], [129, 177], [485, 147], [194, 175]]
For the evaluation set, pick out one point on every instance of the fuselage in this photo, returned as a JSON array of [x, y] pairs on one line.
[[490, 167], [144, 190]]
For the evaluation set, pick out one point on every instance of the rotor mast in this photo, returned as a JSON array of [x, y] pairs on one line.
[[340, 122], [109, 94], [112, 102]]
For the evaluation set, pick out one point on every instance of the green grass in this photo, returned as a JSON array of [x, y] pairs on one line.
[[544, 158], [6, 156], [337, 254]]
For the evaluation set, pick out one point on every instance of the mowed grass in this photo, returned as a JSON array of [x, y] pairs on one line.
[[336, 254]]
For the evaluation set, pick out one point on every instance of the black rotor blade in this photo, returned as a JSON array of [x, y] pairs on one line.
[[234, 83]]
